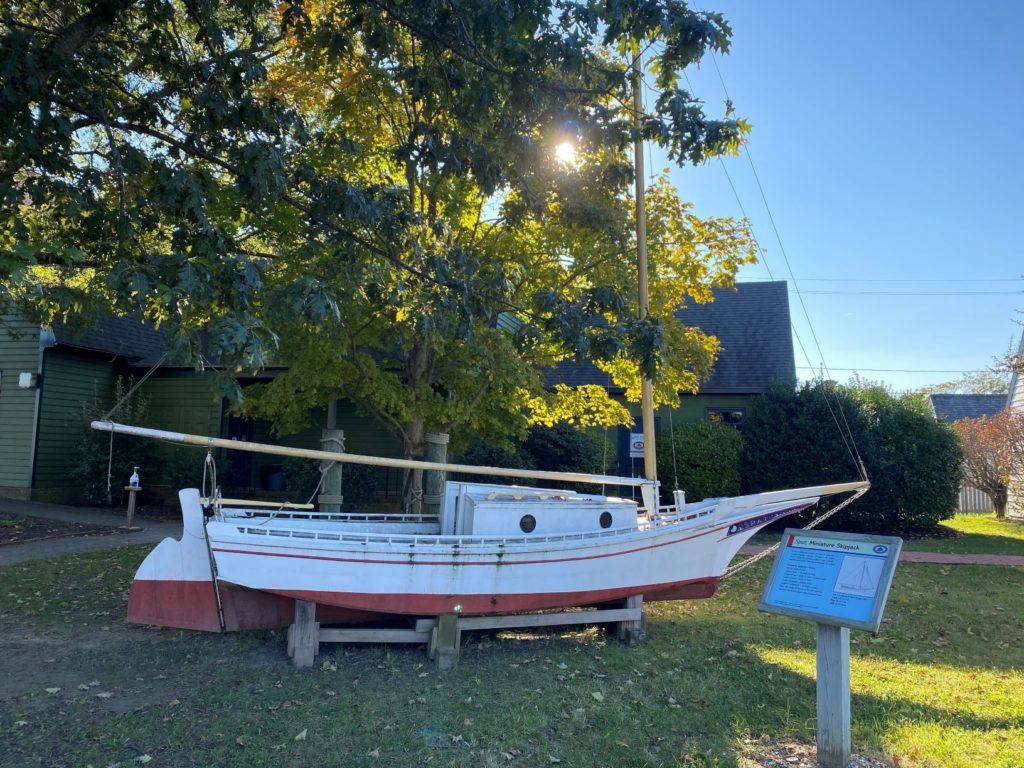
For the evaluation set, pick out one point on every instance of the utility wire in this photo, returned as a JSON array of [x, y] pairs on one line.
[[912, 293], [897, 370]]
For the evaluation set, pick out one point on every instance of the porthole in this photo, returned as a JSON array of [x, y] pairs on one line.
[[527, 523], [605, 520]]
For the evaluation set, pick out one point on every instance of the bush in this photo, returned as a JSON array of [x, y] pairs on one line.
[[358, 483], [482, 453], [792, 440], [94, 452], [563, 448], [181, 467], [707, 460], [301, 477]]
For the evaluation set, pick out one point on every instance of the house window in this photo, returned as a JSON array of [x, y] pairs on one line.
[[731, 416]]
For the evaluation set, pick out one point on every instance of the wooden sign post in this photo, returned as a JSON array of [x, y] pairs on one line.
[[839, 580]]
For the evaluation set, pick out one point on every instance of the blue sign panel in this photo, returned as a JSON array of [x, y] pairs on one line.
[[832, 578]]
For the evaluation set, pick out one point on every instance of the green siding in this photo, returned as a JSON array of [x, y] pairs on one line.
[[692, 407], [363, 435], [183, 404], [19, 352], [70, 382]]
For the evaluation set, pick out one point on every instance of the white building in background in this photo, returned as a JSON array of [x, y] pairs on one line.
[[1015, 402]]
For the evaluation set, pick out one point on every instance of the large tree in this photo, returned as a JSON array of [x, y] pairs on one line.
[[364, 192]]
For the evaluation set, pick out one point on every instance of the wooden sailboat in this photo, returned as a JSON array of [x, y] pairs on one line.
[[492, 550], [495, 549]]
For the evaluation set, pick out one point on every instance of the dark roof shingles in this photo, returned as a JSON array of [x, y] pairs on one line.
[[752, 324], [115, 336], [950, 408]]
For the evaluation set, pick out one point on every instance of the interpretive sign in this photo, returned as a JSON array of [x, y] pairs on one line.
[[833, 578]]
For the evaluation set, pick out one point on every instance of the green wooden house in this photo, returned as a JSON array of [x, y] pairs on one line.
[[49, 377]]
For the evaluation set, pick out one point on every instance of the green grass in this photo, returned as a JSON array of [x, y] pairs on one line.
[[979, 535], [941, 685], [960, 535]]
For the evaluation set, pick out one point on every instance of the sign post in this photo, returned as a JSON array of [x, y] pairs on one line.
[[839, 581]]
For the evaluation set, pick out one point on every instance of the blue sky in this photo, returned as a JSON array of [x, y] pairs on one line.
[[889, 140]]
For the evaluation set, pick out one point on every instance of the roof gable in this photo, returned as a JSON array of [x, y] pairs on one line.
[[950, 408], [752, 324]]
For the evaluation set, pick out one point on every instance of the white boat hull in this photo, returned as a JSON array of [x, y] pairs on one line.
[[262, 566]]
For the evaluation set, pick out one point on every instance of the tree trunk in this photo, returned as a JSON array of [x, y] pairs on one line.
[[412, 448], [999, 500]]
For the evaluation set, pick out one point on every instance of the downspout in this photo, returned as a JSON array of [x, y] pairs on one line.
[[46, 341]]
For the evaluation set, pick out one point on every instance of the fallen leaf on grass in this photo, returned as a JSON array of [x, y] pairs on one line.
[[552, 759], [302, 735], [52, 691], [240, 741], [143, 759], [374, 753], [104, 695], [598, 696]]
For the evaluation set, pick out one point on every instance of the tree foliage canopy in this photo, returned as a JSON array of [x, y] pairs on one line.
[[363, 192], [993, 454]]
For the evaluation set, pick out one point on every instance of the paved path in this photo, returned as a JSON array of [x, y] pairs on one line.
[[931, 557], [152, 531]]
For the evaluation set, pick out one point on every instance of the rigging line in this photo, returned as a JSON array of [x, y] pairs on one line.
[[757, 243], [847, 434], [849, 443], [138, 384]]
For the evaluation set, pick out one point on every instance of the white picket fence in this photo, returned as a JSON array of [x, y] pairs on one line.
[[973, 500]]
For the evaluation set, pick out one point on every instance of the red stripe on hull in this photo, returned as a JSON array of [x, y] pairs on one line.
[[482, 605]]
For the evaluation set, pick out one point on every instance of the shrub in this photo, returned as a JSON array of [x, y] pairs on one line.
[[358, 483], [792, 440], [563, 448], [181, 467], [482, 453], [706, 460], [94, 452]]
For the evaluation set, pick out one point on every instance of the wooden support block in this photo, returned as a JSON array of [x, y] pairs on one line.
[[634, 631], [305, 634], [446, 640], [551, 619], [833, 696], [345, 635]]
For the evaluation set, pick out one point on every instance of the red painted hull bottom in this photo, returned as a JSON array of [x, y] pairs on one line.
[[193, 604]]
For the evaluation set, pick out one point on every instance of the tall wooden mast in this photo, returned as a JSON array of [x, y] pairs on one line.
[[646, 387]]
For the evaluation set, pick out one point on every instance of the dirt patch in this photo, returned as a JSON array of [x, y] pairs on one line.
[[15, 529], [782, 754]]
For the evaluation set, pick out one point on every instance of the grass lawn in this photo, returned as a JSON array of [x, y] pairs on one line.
[[960, 535], [979, 535], [941, 685]]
